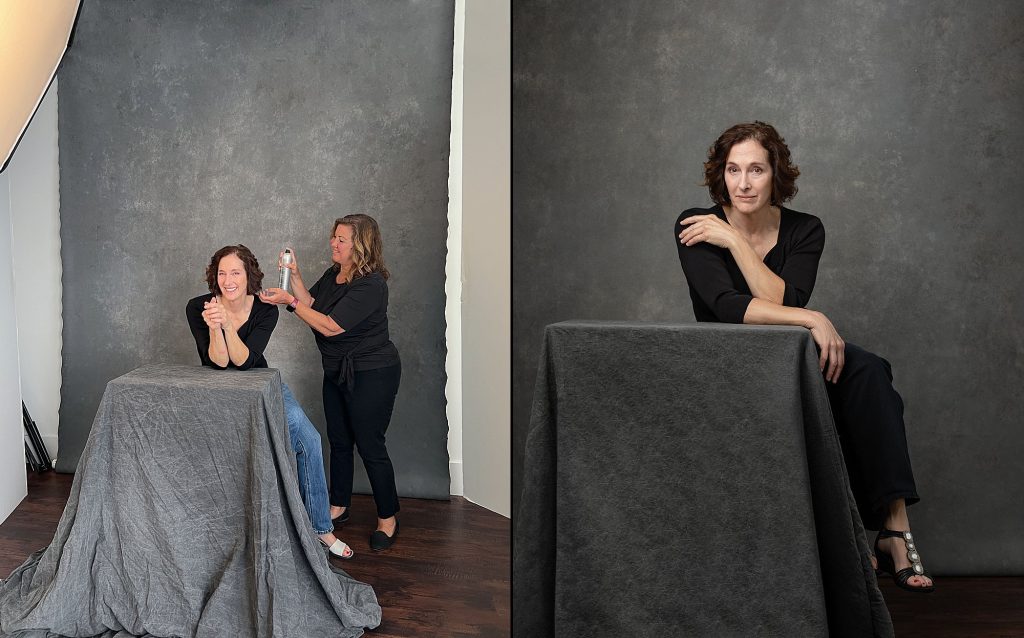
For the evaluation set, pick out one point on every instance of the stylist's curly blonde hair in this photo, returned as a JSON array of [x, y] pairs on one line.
[[367, 245]]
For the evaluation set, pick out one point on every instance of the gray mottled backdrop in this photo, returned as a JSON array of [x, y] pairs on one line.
[[907, 121], [185, 126]]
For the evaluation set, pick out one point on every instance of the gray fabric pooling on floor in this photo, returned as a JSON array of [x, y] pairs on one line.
[[185, 519], [687, 480]]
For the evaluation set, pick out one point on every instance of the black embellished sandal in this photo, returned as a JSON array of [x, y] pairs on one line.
[[888, 566]]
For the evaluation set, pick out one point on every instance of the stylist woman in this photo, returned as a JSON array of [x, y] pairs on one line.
[[347, 308]]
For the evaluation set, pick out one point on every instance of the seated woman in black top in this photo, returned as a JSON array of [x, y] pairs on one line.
[[232, 327], [750, 260], [347, 309]]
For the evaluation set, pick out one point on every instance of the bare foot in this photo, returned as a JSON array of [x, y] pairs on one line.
[[337, 511]]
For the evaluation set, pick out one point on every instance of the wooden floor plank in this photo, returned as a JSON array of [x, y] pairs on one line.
[[446, 575]]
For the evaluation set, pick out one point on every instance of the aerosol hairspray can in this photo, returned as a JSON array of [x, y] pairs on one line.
[[286, 272]]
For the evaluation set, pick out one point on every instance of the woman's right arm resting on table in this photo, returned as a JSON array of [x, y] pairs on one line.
[[833, 348], [706, 270]]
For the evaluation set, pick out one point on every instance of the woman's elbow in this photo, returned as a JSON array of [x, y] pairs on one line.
[[331, 328], [328, 331]]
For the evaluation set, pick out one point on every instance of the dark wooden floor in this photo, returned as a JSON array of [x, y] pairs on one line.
[[975, 607], [447, 575]]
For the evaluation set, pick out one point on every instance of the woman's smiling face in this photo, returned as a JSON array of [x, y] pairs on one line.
[[748, 176], [232, 278], [341, 245]]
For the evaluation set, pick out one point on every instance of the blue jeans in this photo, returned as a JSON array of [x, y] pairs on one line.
[[310, 459]]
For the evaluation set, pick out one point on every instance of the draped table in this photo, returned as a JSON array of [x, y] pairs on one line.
[[185, 519], [687, 480]]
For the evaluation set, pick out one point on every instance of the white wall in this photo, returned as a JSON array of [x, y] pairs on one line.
[[453, 267], [486, 259], [35, 213], [13, 486]]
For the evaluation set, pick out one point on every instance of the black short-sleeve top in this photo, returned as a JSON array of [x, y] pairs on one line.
[[254, 333], [360, 308], [717, 287]]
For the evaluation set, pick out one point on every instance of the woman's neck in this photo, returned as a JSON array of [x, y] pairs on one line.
[[762, 220], [238, 305]]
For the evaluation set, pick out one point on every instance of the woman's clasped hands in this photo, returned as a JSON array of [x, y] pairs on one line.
[[215, 315]]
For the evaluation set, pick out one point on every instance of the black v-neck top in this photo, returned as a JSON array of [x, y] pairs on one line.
[[717, 287], [254, 333]]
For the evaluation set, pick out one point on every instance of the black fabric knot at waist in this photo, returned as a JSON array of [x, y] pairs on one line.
[[347, 371]]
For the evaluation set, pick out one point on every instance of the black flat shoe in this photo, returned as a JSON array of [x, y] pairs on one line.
[[380, 541], [888, 566], [341, 518]]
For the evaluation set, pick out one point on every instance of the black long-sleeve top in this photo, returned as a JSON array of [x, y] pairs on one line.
[[360, 308], [254, 333], [717, 287]]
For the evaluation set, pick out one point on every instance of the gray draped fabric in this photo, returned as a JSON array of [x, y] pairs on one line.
[[185, 520], [687, 480]]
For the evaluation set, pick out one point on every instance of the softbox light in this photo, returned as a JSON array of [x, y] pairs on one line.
[[34, 34]]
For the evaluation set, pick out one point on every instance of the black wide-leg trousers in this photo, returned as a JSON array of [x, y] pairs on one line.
[[869, 418], [360, 417]]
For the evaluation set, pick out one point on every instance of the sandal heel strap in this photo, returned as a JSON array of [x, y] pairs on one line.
[[889, 533]]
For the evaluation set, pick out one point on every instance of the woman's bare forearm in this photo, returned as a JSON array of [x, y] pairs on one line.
[[238, 352], [763, 312], [831, 347], [218, 351], [317, 320], [299, 290], [763, 283]]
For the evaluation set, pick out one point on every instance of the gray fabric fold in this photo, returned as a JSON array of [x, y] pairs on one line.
[[686, 480], [185, 519]]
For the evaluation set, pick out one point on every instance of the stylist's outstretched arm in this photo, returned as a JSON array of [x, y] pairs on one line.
[[347, 309]]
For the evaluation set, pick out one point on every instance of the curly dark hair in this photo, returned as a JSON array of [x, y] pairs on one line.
[[252, 268], [784, 172]]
